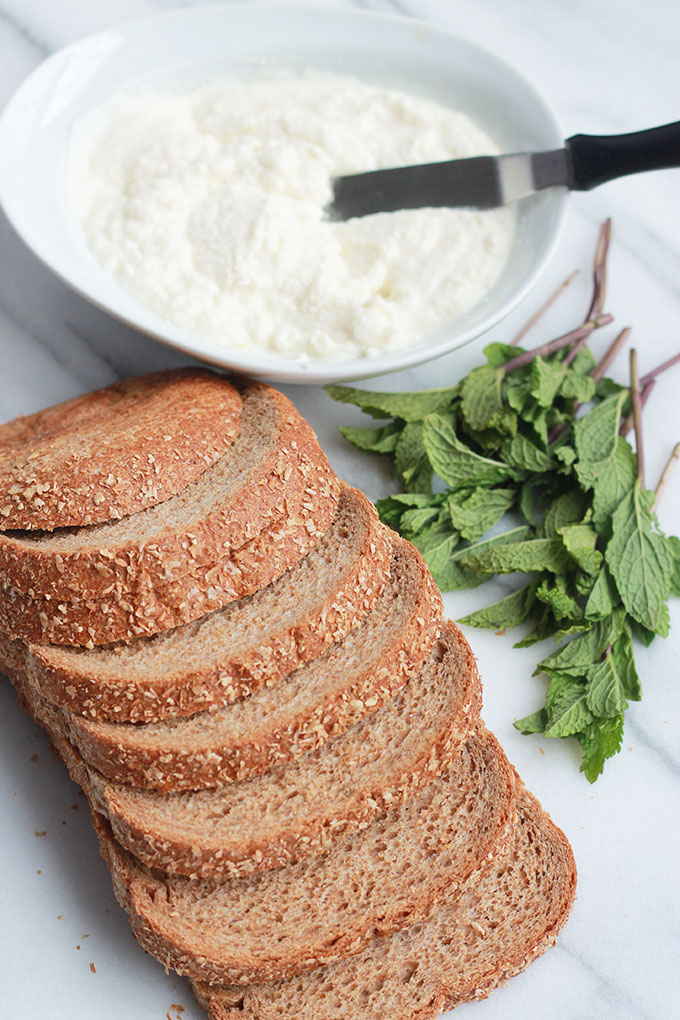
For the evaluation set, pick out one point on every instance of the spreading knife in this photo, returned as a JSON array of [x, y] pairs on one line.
[[486, 182]]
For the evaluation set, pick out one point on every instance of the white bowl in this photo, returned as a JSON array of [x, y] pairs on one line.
[[186, 47]]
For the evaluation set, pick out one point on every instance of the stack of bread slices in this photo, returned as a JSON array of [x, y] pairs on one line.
[[278, 733]]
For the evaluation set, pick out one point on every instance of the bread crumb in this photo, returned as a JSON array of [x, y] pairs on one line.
[[34, 757], [500, 633], [59, 917], [74, 807], [77, 947], [39, 871], [541, 750], [43, 832], [93, 968]]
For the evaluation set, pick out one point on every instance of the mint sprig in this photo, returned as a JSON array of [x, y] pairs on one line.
[[506, 439]]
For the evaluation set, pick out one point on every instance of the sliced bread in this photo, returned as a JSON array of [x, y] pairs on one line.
[[375, 882], [123, 616], [297, 809], [471, 943], [116, 451], [274, 465], [277, 723], [228, 654]]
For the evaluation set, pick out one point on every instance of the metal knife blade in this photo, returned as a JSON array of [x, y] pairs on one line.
[[481, 182]]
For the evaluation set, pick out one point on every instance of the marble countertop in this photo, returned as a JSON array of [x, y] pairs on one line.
[[607, 66]]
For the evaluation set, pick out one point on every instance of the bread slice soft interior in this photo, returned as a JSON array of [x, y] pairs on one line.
[[470, 944]]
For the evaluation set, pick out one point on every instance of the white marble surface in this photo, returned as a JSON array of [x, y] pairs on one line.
[[607, 65]]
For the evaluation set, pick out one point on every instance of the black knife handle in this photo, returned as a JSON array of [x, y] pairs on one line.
[[599, 158]]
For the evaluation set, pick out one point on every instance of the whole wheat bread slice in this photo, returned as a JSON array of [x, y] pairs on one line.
[[273, 725], [294, 810], [124, 616], [231, 653], [375, 882], [116, 451], [476, 939], [274, 464]]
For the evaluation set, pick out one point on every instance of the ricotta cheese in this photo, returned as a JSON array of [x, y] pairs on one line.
[[208, 205]]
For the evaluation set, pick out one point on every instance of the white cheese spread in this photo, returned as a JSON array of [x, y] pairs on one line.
[[207, 205]]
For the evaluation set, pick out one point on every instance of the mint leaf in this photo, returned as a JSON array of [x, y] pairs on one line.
[[509, 612], [579, 541], [578, 387], [596, 436], [537, 416], [436, 542], [497, 354], [410, 459], [456, 463], [455, 575], [573, 628], [674, 544], [521, 453], [382, 440], [515, 390], [527, 500], [409, 406], [474, 514], [603, 597], [546, 379], [566, 455], [481, 396], [553, 592], [566, 509], [606, 694], [566, 706], [587, 649], [545, 626], [583, 363], [418, 518], [624, 660], [525, 557], [534, 723], [640, 562], [643, 635], [600, 740], [615, 480], [596, 433], [391, 508]]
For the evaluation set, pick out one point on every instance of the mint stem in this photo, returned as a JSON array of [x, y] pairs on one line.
[[600, 270], [644, 397], [659, 369], [556, 345], [609, 355], [637, 415], [665, 475], [544, 308]]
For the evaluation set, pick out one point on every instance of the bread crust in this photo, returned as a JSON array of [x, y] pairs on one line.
[[167, 847], [74, 680], [179, 765], [124, 616], [113, 452], [430, 847], [284, 479]]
